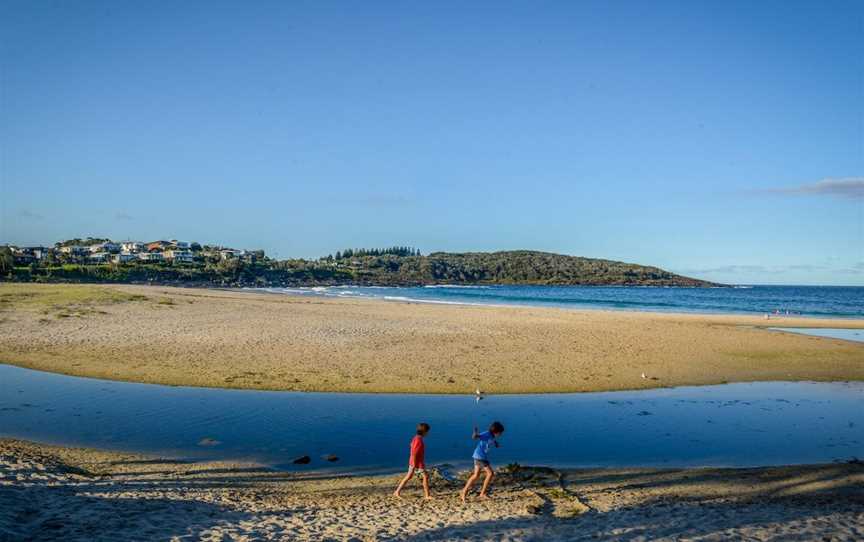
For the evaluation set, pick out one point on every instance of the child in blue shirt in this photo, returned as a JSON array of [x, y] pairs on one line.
[[481, 458]]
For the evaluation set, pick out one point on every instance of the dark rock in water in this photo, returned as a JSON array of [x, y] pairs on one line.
[[534, 509], [444, 471], [302, 460], [330, 457], [52, 524], [644, 413]]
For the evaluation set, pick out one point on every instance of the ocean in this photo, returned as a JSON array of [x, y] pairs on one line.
[[813, 301]]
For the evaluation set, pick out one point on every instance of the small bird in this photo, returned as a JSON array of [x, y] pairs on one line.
[[643, 376], [478, 392]]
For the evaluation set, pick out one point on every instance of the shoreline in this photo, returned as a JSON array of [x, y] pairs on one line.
[[85, 494], [465, 394], [257, 340], [584, 307]]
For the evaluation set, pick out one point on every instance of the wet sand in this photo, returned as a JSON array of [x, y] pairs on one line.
[[198, 337], [51, 493]]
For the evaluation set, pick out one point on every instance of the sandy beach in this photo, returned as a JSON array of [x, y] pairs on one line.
[[52, 493], [199, 337]]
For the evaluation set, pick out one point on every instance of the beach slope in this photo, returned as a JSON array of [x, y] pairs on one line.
[[51, 493], [235, 339]]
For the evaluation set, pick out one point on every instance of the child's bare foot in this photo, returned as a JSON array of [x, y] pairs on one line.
[[428, 497], [397, 495], [484, 496], [462, 496]]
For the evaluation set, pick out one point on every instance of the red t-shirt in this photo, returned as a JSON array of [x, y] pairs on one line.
[[418, 450]]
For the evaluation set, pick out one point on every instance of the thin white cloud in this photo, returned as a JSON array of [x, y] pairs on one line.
[[746, 269], [855, 269], [846, 188], [28, 214], [761, 269]]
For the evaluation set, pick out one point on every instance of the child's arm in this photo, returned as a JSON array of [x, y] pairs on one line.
[[476, 434]]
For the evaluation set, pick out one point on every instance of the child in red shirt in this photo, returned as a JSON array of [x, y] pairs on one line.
[[416, 462]]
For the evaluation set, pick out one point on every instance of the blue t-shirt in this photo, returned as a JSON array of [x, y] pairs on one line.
[[486, 438]]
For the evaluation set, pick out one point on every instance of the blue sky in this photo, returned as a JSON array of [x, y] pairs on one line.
[[719, 139]]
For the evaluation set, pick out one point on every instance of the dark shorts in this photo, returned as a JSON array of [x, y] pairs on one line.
[[482, 463]]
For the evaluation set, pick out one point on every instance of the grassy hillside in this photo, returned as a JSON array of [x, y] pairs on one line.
[[511, 267], [514, 267]]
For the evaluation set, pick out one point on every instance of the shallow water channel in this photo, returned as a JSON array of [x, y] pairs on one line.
[[727, 425]]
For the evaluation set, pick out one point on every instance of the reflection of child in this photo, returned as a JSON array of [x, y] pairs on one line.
[[417, 462], [481, 458]]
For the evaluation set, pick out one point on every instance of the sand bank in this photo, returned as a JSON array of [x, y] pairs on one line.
[[50, 493], [199, 337]]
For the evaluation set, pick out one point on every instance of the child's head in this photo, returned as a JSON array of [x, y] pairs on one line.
[[496, 428], [422, 428]]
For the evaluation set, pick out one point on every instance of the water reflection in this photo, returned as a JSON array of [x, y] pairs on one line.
[[734, 424]]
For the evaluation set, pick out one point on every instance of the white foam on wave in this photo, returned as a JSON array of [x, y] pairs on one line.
[[464, 286], [431, 301]]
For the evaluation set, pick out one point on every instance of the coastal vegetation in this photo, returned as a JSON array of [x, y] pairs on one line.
[[64, 301], [173, 262]]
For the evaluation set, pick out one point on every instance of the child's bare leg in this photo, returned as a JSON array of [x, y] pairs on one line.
[[470, 482], [425, 478], [403, 482], [486, 481]]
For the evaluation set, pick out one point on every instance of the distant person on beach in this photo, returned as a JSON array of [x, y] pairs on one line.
[[417, 462], [481, 459]]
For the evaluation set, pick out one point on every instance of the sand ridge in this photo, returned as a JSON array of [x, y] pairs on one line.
[[217, 338]]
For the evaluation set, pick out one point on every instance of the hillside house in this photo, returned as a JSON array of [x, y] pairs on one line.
[[150, 256], [105, 247], [36, 253], [158, 245], [125, 257], [179, 256], [228, 253], [132, 246]]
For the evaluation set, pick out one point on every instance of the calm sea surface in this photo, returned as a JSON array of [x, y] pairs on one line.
[[819, 301], [729, 425]]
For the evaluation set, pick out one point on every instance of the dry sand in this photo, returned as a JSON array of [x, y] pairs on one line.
[[200, 337], [49, 493]]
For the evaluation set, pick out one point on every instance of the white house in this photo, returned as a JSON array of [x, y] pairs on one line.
[[150, 256], [228, 253], [182, 245], [74, 250], [124, 257], [179, 256], [104, 247], [132, 246], [99, 257], [36, 253]]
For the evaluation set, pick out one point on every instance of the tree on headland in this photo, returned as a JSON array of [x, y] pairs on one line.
[[391, 266], [7, 260], [82, 242], [400, 251]]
